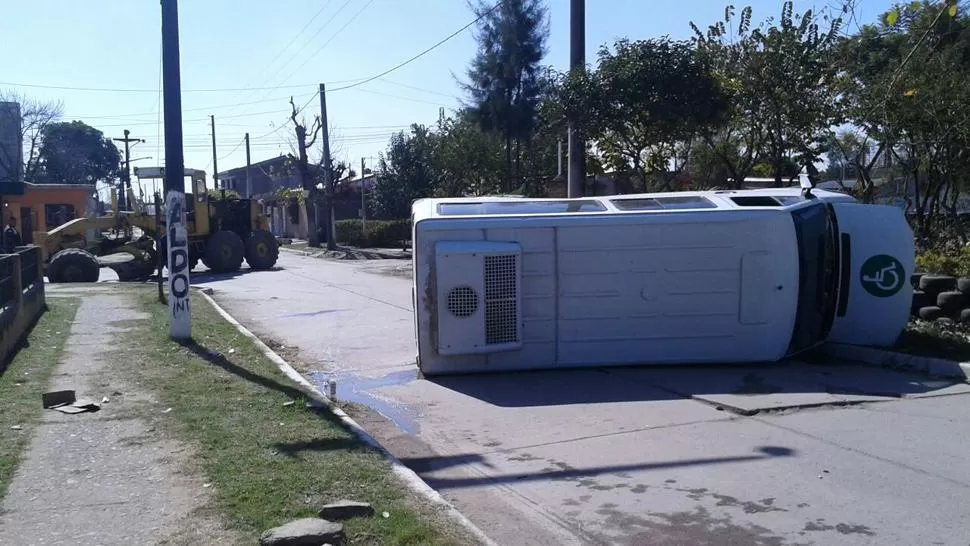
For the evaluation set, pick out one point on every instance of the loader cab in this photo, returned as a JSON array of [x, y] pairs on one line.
[[197, 216]]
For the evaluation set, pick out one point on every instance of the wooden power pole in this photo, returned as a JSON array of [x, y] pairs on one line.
[[215, 160], [126, 173], [327, 171], [249, 177]]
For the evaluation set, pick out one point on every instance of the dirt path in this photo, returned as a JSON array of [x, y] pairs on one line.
[[107, 477]]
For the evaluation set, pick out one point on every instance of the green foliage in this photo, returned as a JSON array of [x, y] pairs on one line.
[[380, 233], [290, 195], [504, 85], [407, 172], [217, 195], [955, 263], [644, 99], [903, 83], [780, 77], [76, 153]]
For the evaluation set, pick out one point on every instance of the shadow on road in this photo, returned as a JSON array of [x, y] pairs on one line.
[[567, 473], [660, 383]]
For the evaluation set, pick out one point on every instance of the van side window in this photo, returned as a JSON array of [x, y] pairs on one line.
[[817, 242]]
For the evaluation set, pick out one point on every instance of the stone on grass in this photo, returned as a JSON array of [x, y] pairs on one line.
[[346, 509], [304, 532]]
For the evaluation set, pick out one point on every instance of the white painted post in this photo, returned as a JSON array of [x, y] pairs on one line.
[[178, 266]]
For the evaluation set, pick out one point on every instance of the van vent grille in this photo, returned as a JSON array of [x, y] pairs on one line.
[[462, 301], [501, 324]]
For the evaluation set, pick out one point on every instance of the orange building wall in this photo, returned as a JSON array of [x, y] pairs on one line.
[[36, 196]]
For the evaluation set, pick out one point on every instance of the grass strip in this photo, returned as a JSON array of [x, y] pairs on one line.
[[269, 457], [25, 380]]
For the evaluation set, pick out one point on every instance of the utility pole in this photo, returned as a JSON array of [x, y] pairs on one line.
[[249, 178], [180, 324], [126, 174], [327, 172], [577, 61], [363, 200], [215, 162]]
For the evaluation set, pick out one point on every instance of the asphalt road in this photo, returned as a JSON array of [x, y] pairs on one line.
[[795, 453]]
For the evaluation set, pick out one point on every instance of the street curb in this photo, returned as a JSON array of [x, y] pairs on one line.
[[408, 476], [937, 367]]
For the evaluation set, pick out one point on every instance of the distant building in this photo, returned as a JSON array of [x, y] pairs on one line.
[[43, 207], [265, 178]]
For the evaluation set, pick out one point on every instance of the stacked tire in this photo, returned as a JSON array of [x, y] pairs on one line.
[[941, 297]]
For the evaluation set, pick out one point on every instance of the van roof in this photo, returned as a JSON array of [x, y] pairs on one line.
[[694, 201]]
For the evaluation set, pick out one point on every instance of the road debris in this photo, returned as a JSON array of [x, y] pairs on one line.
[[17, 427], [304, 531], [346, 509], [67, 402]]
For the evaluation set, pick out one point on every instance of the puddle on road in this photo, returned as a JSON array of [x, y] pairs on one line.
[[356, 389]]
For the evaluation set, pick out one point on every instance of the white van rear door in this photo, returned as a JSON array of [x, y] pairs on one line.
[[877, 260]]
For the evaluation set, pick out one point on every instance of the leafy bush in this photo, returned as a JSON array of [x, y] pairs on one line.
[[955, 263], [380, 233]]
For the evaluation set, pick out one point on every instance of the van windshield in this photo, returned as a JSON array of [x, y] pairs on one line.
[[817, 238]]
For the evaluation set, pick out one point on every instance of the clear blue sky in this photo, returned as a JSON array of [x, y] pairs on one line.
[[230, 47]]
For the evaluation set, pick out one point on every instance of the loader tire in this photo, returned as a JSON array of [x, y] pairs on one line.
[[223, 252], [139, 269], [73, 265], [262, 250]]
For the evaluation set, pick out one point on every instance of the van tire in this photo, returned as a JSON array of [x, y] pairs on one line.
[[931, 313], [951, 302], [963, 285], [965, 316], [937, 284]]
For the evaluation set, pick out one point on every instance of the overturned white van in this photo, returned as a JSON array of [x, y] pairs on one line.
[[690, 277]]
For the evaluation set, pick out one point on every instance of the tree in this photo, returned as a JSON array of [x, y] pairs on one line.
[[504, 76], [405, 173], [305, 139], [75, 153], [35, 116], [902, 78], [780, 78], [469, 161], [643, 102]]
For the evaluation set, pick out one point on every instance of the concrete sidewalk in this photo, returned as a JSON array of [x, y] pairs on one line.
[[104, 478]]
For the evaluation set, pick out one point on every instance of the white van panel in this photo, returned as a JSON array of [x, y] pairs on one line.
[[629, 290]]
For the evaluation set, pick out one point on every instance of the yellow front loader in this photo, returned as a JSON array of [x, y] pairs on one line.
[[222, 233]]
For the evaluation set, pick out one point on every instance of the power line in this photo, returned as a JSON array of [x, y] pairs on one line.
[[335, 34], [425, 52], [120, 90]]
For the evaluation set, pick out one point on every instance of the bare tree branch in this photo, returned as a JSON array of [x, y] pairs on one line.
[[35, 116]]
